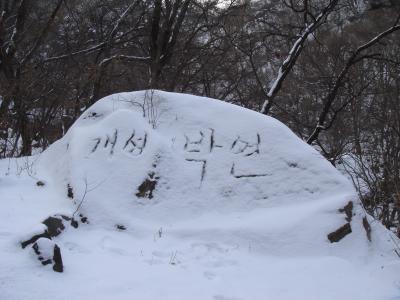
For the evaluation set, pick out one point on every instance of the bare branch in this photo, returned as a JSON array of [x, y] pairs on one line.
[[43, 34], [353, 59], [294, 53]]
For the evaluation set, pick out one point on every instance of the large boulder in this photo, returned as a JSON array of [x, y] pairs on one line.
[[189, 198], [162, 156]]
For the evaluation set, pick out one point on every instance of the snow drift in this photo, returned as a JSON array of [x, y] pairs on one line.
[[171, 196]]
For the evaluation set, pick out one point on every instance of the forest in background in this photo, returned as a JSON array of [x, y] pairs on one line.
[[328, 69]]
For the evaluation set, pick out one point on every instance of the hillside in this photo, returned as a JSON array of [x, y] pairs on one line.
[[171, 196]]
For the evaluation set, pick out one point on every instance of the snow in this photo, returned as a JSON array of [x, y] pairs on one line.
[[45, 248], [241, 210]]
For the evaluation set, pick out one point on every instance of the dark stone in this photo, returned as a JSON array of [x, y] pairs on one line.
[[46, 262], [35, 248], [121, 227], [58, 264], [367, 228], [70, 192], [34, 239], [145, 190], [54, 226], [348, 210], [74, 223], [40, 183], [84, 219], [65, 218], [340, 233], [54, 259]]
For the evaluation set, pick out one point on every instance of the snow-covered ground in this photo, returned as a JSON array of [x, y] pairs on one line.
[[187, 198]]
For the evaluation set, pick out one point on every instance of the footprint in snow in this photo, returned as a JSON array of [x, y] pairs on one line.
[[209, 275]]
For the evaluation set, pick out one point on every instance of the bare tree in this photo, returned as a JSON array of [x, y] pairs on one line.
[[295, 51], [356, 57], [17, 51]]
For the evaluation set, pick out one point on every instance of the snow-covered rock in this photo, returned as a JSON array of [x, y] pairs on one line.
[[48, 253], [186, 197]]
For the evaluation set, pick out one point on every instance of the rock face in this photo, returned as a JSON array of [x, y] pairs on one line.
[[154, 154], [164, 156]]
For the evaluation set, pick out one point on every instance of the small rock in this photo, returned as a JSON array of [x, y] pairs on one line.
[[340, 233], [348, 210], [48, 253], [70, 192], [74, 223], [34, 239], [54, 226], [84, 219], [43, 249], [40, 183], [58, 264], [146, 188], [367, 228], [120, 227]]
